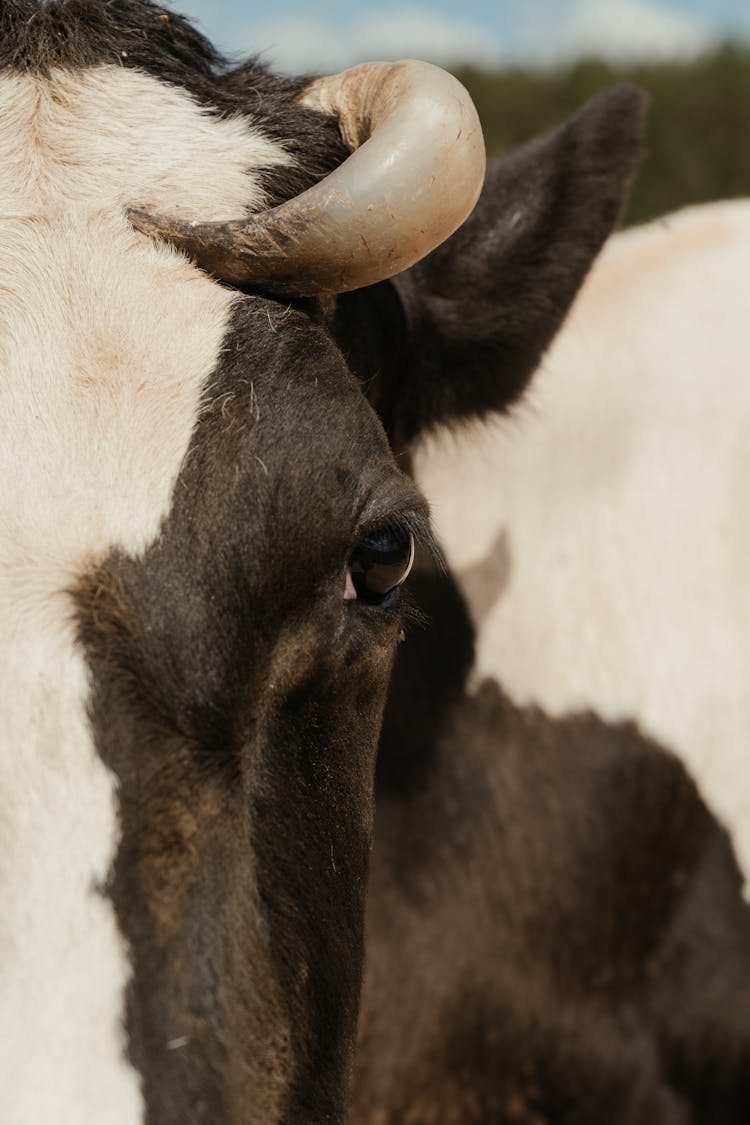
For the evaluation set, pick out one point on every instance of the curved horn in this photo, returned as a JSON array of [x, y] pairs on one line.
[[413, 181]]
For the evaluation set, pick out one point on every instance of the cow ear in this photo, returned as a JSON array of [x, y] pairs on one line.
[[460, 334]]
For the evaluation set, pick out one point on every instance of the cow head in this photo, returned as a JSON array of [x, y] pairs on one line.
[[203, 532]]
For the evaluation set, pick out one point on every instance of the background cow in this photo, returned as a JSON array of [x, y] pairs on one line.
[[600, 532], [556, 928]]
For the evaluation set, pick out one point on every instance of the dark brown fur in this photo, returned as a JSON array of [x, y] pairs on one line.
[[556, 931], [238, 702]]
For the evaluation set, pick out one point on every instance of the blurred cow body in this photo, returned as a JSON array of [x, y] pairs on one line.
[[555, 928], [600, 530], [556, 920]]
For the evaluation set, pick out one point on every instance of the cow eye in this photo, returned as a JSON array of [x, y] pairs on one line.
[[379, 564]]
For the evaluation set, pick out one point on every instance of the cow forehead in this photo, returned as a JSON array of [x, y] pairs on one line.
[[110, 137], [105, 341], [106, 346]]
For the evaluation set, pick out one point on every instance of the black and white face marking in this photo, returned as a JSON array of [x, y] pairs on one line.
[[237, 699], [106, 346], [119, 844]]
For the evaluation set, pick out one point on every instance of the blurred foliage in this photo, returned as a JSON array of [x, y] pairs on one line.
[[698, 136]]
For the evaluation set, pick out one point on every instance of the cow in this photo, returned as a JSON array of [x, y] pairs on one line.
[[206, 382], [556, 931], [600, 535], [556, 928], [605, 570]]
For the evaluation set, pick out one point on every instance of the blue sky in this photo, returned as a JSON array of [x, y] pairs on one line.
[[332, 34]]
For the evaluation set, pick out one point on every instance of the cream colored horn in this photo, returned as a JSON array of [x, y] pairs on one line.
[[415, 176]]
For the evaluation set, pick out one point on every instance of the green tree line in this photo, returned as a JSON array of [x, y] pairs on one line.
[[698, 135]]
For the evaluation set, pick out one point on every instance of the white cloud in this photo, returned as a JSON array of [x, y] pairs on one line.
[[298, 43], [416, 31], [616, 29], [328, 37]]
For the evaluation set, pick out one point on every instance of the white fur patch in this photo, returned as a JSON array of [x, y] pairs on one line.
[[621, 486], [106, 342], [111, 138]]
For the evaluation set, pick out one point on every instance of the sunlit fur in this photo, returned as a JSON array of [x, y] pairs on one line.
[[106, 343], [602, 529]]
